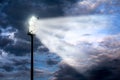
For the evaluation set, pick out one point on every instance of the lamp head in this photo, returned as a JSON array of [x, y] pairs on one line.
[[32, 22]]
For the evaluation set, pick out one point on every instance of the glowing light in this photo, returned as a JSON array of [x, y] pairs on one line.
[[32, 25]]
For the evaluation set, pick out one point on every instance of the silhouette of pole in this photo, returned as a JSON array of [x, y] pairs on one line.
[[32, 57]]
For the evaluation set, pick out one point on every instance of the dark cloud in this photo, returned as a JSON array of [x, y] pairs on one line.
[[10, 63], [4, 41], [0, 31], [104, 62], [19, 48], [14, 67], [1, 1], [68, 73], [106, 70], [10, 43], [6, 36]]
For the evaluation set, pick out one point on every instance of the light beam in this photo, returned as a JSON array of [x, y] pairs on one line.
[[69, 37]]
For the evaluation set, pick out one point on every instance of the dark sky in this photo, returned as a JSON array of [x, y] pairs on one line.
[[15, 41]]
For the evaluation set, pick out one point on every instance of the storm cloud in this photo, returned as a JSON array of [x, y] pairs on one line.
[[105, 63], [102, 62]]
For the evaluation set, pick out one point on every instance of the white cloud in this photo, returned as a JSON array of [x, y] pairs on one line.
[[3, 54], [91, 6], [9, 31]]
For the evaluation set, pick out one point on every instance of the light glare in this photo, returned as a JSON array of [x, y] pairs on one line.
[[32, 22]]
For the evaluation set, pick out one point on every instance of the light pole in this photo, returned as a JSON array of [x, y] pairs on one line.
[[31, 33]]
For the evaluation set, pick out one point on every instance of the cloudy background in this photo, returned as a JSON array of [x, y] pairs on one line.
[[15, 43]]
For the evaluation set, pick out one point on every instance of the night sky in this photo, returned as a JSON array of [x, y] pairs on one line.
[[86, 32]]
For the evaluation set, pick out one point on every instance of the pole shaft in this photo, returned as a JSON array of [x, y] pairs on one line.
[[32, 59]]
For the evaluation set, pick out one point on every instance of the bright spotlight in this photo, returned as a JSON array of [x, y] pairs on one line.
[[32, 21]]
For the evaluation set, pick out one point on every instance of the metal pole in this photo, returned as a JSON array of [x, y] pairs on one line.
[[32, 57]]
